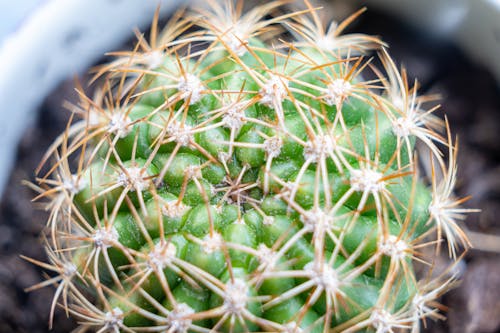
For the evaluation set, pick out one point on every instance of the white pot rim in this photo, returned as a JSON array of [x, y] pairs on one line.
[[59, 39], [473, 24]]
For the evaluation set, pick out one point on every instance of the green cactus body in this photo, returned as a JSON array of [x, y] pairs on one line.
[[235, 184]]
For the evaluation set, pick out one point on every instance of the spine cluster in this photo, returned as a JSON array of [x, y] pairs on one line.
[[251, 172]]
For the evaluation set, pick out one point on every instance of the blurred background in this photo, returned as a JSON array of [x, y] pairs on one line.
[[451, 46]]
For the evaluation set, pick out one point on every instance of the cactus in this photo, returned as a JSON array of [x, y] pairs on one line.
[[224, 179]]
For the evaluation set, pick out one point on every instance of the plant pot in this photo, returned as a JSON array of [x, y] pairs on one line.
[[45, 42]]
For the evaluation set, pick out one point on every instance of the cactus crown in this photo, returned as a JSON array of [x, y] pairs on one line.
[[223, 179]]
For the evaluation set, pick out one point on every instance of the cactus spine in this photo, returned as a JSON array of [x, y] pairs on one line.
[[223, 179]]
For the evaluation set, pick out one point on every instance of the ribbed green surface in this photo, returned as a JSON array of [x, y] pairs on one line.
[[235, 184]]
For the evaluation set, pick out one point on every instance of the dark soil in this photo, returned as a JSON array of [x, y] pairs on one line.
[[470, 99]]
